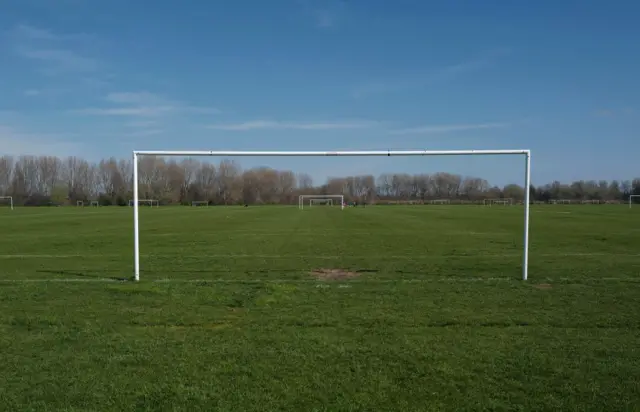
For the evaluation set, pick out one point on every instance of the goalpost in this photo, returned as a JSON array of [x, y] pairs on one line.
[[491, 202], [200, 203], [9, 199], [525, 153], [311, 198], [95, 203], [631, 197], [79, 203], [150, 202]]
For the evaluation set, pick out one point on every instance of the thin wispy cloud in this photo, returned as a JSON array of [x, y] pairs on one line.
[[412, 82], [448, 128], [58, 61], [278, 125], [29, 32], [141, 123], [145, 133], [32, 92], [124, 111], [16, 142], [35, 33], [325, 13], [324, 18], [53, 53], [143, 104]]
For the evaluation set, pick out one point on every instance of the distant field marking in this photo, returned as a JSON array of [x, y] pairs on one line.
[[575, 280], [421, 256], [241, 233], [253, 233]]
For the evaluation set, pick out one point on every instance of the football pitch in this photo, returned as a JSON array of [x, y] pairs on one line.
[[272, 308]]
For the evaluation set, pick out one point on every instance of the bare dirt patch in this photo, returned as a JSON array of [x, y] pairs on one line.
[[543, 286], [334, 274]]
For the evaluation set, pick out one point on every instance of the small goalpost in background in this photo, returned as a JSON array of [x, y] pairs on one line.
[[525, 153], [631, 197], [9, 198], [204, 203], [302, 198], [501, 201], [150, 202]]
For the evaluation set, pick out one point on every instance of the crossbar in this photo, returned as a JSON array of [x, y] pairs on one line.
[[334, 153], [527, 178]]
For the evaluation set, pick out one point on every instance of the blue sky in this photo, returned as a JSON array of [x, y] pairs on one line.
[[101, 78]]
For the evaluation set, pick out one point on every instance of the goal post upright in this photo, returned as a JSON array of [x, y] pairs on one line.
[[527, 204], [136, 218], [355, 153]]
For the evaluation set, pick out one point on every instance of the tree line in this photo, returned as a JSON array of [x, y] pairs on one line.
[[49, 180]]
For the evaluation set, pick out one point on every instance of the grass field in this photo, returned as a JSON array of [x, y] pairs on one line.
[[229, 316]]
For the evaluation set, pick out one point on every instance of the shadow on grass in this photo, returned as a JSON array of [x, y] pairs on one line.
[[82, 274]]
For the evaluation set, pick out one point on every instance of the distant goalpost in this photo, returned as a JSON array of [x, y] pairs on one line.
[[501, 201], [204, 203], [631, 197], [389, 153], [8, 199], [150, 202], [317, 198]]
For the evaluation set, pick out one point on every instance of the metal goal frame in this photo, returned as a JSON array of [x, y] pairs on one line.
[[302, 198], [527, 179], [9, 198]]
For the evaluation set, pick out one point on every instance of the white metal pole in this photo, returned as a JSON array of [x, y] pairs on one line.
[[136, 228], [527, 202]]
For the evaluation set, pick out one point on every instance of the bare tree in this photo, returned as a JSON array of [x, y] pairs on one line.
[[6, 174]]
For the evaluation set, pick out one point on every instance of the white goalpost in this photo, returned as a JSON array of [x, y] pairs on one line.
[[501, 201], [631, 197], [95, 203], [302, 198], [389, 153], [8, 199], [150, 202], [200, 203]]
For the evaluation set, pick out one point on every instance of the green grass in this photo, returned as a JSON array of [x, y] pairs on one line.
[[228, 317]]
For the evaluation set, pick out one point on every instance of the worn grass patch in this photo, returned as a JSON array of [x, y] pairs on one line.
[[333, 274]]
